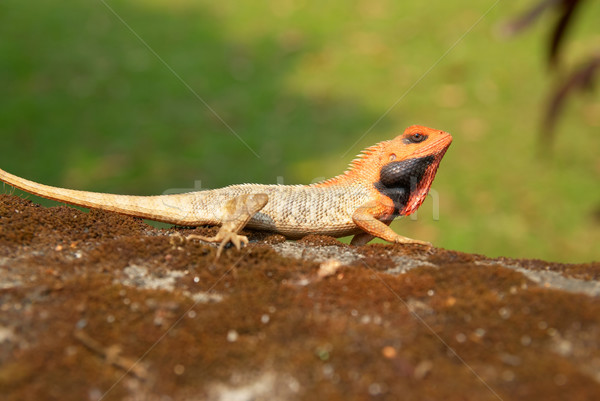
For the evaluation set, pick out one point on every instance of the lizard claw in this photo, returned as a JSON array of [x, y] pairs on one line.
[[224, 237], [236, 239], [405, 240]]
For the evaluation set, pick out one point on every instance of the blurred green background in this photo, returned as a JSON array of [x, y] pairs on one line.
[[85, 104]]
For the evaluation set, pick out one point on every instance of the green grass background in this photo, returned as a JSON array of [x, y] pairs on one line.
[[85, 104]]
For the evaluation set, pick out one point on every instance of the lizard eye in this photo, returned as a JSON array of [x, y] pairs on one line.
[[417, 137], [392, 157]]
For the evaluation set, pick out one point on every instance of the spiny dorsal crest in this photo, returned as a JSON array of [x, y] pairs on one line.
[[360, 165]]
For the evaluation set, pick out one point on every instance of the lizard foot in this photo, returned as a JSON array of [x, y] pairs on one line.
[[238, 211], [399, 239], [224, 236]]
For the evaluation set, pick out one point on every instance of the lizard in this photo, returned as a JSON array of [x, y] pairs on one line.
[[386, 180]]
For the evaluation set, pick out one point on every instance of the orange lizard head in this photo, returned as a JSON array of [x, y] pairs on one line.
[[401, 169], [408, 164]]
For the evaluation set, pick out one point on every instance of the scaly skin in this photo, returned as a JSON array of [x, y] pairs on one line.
[[389, 179]]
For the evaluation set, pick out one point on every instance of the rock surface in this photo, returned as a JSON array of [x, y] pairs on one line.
[[97, 306]]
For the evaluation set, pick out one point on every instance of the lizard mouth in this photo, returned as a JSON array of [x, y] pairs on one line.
[[441, 144]]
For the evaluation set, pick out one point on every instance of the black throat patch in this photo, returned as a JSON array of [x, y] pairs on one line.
[[398, 180]]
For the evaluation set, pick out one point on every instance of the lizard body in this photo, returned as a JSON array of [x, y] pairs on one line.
[[389, 179]]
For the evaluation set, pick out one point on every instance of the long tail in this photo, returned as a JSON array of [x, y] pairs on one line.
[[175, 209]]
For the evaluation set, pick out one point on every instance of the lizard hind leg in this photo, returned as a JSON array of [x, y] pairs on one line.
[[361, 239], [236, 214]]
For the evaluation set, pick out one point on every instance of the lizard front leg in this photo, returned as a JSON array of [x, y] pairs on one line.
[[364, 218], [237, 212]]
